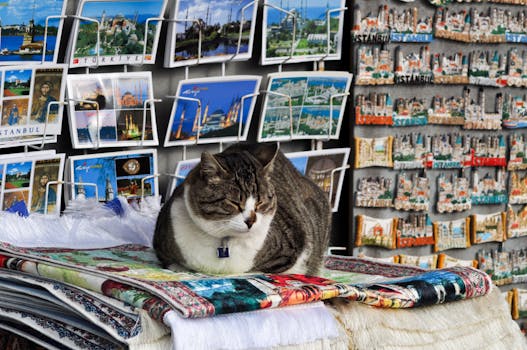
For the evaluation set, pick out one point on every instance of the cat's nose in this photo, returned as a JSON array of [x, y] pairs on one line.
[[251, 219]]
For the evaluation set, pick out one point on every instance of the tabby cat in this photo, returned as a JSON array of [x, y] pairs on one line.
[[246, 209]]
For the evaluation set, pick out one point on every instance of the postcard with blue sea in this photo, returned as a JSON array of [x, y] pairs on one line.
[[112, 32], [302, 30], [304, 105], [215, 109], [107, 175], [203, 31], [112, 110], [24, 182], [25, 38]]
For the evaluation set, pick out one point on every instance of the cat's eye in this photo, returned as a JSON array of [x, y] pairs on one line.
[[233, 204], [262, 206]]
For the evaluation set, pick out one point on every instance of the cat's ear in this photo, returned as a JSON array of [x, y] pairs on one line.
[[211, 170], [266, 154]]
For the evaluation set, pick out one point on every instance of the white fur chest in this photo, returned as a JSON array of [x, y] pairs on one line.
[[199, 249]]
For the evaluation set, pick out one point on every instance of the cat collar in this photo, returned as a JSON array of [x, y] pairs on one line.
[[223, 249]]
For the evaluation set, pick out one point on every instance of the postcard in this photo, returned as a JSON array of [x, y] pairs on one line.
[[210, 31], [326, 168], [298, 31], [112, 110], [112, 32], [213, 109], [30, 101], [304, 105], [24, 31], [24, 179], [114, 174]]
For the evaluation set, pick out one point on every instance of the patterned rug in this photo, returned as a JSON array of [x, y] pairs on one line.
[[132, 273]]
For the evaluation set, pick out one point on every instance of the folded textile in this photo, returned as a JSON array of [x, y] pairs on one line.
[[79, 318], [255, 329], [133, 270]]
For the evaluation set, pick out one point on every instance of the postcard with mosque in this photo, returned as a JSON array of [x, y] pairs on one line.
[[112, 32], [112, 110], [302, 30], [31, 102], [213, 109], [29, 182], [130, 174], [31, 31], [203, 31], [304, 105]]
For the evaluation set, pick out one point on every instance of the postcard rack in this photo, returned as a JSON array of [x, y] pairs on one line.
[[72, 184], [97, 120]]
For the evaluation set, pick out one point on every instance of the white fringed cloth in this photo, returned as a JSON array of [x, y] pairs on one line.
[[478, 323]]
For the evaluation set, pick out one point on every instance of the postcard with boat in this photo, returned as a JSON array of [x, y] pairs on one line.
[[112, 32], [31, 31], [202, 31], [214, 109]]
